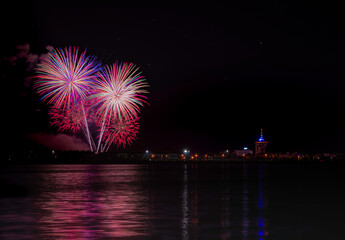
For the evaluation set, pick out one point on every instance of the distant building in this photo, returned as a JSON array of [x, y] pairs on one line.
[[243, 153], [260, 146], [122, 155], [172, 156], [162, 156]]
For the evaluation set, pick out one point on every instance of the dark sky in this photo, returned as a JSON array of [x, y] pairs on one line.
[[218, 71]]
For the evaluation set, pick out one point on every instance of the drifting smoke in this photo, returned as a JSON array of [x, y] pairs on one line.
[[31, 59], [23, 52], [61, 142]]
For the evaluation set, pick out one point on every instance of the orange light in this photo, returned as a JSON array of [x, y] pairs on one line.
[[153, 155]]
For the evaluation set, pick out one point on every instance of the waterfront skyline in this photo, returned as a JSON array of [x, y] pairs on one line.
[[217, 73]]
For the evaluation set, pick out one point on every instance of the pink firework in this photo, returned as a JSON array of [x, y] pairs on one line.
[[121, 133], [67, 119], [119, 91], [64, 78]]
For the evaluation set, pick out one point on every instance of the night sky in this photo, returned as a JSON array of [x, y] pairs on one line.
[[218, 72]]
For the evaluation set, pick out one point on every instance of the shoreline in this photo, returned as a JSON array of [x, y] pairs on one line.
[[95, 161]]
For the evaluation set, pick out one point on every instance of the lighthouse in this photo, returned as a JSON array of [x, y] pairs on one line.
[[260, 146]]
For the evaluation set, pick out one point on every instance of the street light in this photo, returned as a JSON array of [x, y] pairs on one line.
[[186, 152], [147, 155]]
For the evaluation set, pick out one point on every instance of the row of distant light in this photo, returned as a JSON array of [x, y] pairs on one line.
[[186, 151]]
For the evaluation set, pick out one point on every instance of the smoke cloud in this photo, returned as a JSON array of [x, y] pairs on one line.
[[23, 52], [60, 141], [31, 59]]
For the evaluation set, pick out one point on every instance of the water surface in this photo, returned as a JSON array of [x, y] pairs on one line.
[[172, 201]]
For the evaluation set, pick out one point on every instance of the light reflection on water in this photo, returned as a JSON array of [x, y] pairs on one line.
[[88, 213], [83, 203], [144, 202]]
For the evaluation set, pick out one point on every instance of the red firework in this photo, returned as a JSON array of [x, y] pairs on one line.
[[121, 132], [68, 119]]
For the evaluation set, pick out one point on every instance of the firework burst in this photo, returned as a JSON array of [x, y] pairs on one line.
[[121, 132], [67, 119], [64, 78], [119, 91], [80, 92]]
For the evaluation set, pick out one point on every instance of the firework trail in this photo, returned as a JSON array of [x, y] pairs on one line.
[[72, 119], [119, 93], [120, 132], [64, 80]]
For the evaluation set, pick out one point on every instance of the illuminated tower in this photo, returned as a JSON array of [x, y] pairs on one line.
[[260, 146]]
